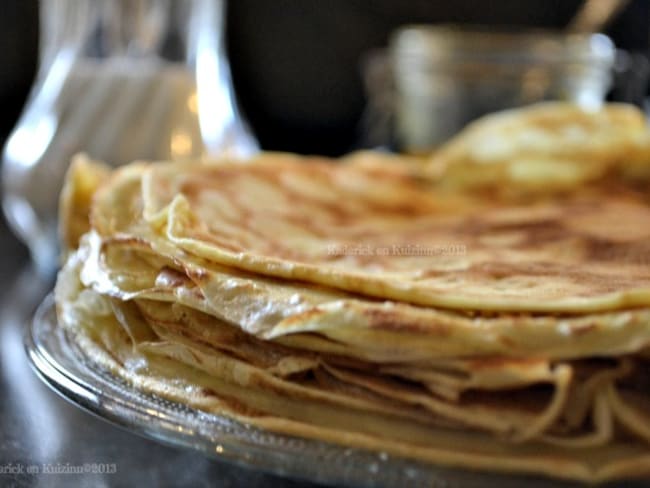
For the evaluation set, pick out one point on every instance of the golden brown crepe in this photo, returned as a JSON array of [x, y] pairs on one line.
[[83, 178], [545, 147], [511, 335], [370, 232]]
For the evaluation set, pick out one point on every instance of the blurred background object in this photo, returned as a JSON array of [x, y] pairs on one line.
[[593, 15], [447, 76], [121, 80], [297, 65]]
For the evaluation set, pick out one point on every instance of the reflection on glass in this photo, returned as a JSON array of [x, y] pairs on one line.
[[120, 80]]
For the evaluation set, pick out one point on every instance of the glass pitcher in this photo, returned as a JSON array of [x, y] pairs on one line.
[[120, 80]]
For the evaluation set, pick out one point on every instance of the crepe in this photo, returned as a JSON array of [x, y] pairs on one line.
[[82, 180], [369, 232], [248, 289], [181, 369], [547, 147], [136, 262], [329, 321]]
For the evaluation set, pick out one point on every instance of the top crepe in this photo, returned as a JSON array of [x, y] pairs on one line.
[[381, 232]]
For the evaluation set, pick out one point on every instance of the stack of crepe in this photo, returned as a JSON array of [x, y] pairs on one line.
[[368, 303]]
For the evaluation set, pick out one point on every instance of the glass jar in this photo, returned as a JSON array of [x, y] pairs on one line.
[[120, 80], [446, 76]]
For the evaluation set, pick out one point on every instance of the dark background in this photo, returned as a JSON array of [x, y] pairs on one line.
[[296, 62]]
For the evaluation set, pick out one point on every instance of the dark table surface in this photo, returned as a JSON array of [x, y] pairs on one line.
[[40, 430]]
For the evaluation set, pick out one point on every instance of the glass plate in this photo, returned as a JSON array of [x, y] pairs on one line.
[[63, 366]]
